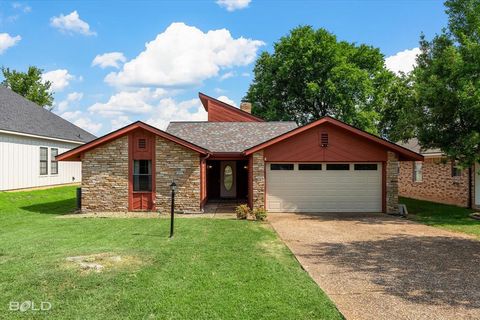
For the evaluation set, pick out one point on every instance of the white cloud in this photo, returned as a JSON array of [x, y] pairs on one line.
[[166, 61], [20, 6], [403, 61], [170, 110], [227, 75], [232, 5], [71, 97], [59, 78], [81, 120], [227, 100], [110, 59], [120, 122], [134, 102], [7, 41], [245, 74], [71, 24]]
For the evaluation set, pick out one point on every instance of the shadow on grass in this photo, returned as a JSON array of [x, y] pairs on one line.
[[420, 269], [60, 207]]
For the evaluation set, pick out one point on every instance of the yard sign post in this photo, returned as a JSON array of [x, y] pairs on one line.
[[173, 186]]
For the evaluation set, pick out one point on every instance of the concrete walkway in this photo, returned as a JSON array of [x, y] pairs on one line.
[[375, 266]]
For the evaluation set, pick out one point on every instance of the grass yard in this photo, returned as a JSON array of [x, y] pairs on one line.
[[441, 215], [212, 269]]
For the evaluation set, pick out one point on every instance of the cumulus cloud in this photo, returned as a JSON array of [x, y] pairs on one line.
[[59, 78], [170, 110], [124, 102], [227, 75], [227, 100], [71, 97], [403, 61], [110, 59], [71, 24], [120, 122], [7, 41], [78, 118], [21, 6], [166, 61], [232, 5]]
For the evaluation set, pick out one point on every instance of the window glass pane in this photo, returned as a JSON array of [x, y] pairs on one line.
[[417, 172], [54, 166], [365, 166], [228, 178], [54, 152], [43, 154], [310, 166], [338, 166], [142, 167], [142, 183], [281, 166]]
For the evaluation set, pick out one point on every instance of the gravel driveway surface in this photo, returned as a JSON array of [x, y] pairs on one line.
[[375, 266]]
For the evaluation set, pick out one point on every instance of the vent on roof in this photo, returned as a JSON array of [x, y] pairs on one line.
[[324, 139], [142, 143]]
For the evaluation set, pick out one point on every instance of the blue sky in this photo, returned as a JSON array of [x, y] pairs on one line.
[[105, 76]]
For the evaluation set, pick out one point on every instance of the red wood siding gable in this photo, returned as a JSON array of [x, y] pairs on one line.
[[219, 111], [328, 139]]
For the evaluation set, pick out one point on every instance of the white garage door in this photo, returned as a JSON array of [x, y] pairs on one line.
[[324, 187]]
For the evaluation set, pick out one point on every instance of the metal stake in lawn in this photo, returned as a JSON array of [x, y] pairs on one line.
[[173, 187]]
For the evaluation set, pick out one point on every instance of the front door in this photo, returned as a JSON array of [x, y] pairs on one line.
[[228, 179]]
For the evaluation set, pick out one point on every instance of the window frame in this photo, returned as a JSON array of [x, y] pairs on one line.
[[358, 166], [337, 166], [282, 166], [53, 161], [43, 161], [417, 170], [309, 167], [456, 171], [149, 174]]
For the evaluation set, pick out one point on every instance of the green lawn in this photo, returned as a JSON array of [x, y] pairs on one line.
[[444, 216], [212, 269]]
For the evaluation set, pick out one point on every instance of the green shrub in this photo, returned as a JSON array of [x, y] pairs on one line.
[[243, 211], [260, 214]]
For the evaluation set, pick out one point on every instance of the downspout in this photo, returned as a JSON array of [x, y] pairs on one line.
[[470, 189]]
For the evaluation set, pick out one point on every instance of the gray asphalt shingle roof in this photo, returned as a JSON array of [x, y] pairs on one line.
[[229, 136], [19, 114], [414, 146]]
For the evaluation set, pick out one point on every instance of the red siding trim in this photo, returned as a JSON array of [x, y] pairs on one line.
[[75, 154], [219, 111], [403, 152], [130, 172]]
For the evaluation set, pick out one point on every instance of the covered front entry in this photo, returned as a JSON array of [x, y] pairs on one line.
[[227, 179], [324, 187]]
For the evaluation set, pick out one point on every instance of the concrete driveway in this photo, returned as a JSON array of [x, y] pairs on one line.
[[374, 266]]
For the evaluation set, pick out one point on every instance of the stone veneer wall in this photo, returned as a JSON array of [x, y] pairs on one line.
[[437, 184], [105, 178], [182, 165], [258, 170], [392, 183]]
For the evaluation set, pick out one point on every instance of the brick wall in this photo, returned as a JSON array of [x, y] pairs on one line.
[[258, 171], [105, 178], [438, 185], [182, 165], [392, 183]]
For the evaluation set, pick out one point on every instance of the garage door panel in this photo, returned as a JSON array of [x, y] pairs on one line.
[[324, 190]]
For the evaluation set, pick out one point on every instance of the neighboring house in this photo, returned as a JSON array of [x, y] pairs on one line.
[[30, 138], [324, 166], [439, 180]]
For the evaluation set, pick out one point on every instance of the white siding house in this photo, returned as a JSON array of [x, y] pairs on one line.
[[30, 138]]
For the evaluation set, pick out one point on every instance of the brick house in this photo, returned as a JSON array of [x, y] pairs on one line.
[[437, 179], [323, 166]]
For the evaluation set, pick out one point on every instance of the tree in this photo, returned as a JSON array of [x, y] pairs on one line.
[[447, 85], [30, 85], [311, 74]]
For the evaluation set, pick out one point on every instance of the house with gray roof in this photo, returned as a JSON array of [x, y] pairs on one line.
[[235, 157], [30, 139]]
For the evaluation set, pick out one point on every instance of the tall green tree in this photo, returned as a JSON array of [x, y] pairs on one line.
[[447, 85], [311, 74], [30, 85]]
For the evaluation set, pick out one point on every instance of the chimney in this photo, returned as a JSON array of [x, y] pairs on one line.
[[246, 106]]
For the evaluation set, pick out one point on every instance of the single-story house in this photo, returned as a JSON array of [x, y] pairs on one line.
[[30, 139], [437, 179], [323, 166]]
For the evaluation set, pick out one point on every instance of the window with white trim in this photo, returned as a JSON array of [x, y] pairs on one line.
[[417, 171], [43, 161], [53, 161]]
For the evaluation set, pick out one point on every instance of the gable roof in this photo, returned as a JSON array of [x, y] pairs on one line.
[[75, 154], [229, 136], [21, 115], [406, 153], [227, 110]]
